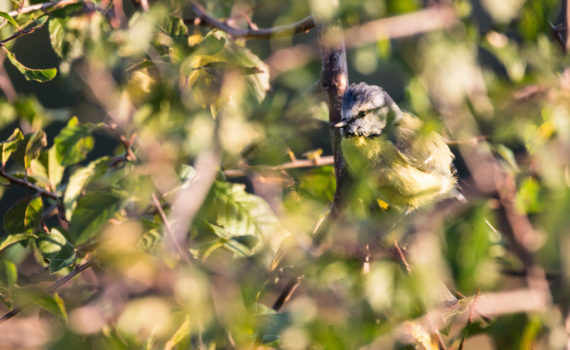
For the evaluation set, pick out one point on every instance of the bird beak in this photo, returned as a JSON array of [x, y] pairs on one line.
[[341, 124]]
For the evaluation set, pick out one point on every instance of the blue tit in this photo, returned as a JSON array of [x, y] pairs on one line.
[[404, 165]]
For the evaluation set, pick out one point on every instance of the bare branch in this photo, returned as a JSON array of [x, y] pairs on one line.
[[401, 26], [204, 18], [191, 195], [386, 28], [52, 289], [295, 164], [168, 228], [50, 5], [16, 181]]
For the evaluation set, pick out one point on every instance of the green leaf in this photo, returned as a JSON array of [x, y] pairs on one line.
[[56, 250], [244, 221], [91, 215], [29, 148], [51, 303], [174, 27], [79, 179], [8, 274], [56, 35], [15, 238], [181, 339], [74, 142], [40, 75], [11, 145], [24, 215], [9, 19], [53, 167]]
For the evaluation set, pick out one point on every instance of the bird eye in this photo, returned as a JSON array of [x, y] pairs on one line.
[[361, 114]]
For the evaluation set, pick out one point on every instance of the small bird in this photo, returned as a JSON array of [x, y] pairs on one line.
[[403, 165]]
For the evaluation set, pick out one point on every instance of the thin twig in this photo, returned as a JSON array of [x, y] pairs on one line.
[[204, 18], [469, 320], [399, 254], [168, 228], [60, 282], [44, 7], [24, 183], [29, 30], [297, 163], [52, 289], [400, 26]]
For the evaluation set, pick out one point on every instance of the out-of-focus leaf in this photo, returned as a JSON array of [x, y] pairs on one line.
[[51, 303], [242, 246], [180, 339], [11, 145], [244, 221], [319, 183], [24, 215], [15, 238], [91, 215], [29, 148], [40, 75], [79, 179], [8, 273], [66, 11], [509, 157], [56, 35], [74, 142], [9, 19], [529, 197], [174, 27]]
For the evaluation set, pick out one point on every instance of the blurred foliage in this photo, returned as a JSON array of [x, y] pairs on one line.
[[173, 168]]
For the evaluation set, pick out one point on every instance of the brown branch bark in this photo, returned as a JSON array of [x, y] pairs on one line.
[[202, 17], [50, 5], [15, 181], [297, 163], [334, 78]]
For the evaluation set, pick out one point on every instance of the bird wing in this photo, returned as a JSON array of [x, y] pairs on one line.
[[426, 151]]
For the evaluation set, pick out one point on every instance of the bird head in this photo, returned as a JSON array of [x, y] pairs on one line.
[[366, 110]]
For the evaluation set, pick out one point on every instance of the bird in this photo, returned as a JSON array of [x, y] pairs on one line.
[[404, 165]]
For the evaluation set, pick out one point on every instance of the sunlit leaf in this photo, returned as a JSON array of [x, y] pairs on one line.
[[91, 215], [29, 148], [40, 75], [79, 179], [24, 215], [51, 303], [74, 142], [8, 273], [181, 338], [243, 220], [9, 19], [11, 145], [8, 240]]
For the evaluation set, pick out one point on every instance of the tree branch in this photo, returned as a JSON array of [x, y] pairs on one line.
[[334, 78], [202, 17], [295, 164], [31, 186], [51, 5], [52, 289]]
